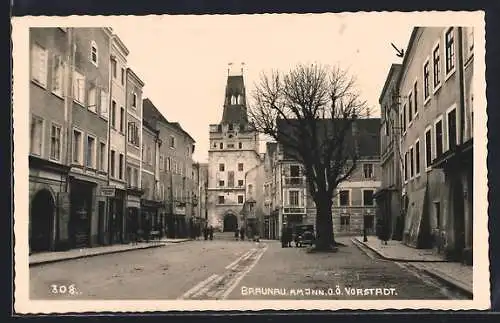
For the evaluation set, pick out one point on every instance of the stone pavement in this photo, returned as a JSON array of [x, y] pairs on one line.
[[49, 257], [451, 273]]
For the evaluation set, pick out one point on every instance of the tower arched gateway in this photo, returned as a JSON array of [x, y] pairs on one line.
[[230, 222], [234, 150]]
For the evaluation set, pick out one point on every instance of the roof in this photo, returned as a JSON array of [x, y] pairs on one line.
[[368, 138], [407, 52], [237, 113], [393, 73], [134, 75], [151, 113], [117, 40]]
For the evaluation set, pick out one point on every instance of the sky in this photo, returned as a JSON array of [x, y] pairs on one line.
[[183, 60]]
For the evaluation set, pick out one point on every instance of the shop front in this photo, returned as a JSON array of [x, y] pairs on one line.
[[176, 222], [150, 218], [116, 210], [80, 223], [133, 214]]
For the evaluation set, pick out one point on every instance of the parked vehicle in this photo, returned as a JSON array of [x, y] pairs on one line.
[[304, 235]]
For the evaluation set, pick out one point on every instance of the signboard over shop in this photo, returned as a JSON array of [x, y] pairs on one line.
[[108, 191]]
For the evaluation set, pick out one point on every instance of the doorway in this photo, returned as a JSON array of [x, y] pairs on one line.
[[230, 223], [42, 221]]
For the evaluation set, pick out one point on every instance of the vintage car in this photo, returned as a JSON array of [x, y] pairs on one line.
[[304, 235]]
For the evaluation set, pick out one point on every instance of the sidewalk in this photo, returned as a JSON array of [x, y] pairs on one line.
[[50, 257], [451, 273]]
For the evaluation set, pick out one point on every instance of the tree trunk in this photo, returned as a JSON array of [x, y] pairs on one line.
[[324, 224]]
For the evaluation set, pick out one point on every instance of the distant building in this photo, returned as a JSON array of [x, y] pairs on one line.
[[175, 163], [353, 203], [233, 152], [201, 178], [389, 196], [436, 111], [133, 158], [270, 196]]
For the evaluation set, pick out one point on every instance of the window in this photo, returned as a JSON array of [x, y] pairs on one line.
[[94, 57], [293, 198], [240, 167], [102, 156], [250, 189], [133, 133], [134, 100], [90, 155], [112, 164], [221, 183], [294, 171], [123, 76], [221, 199], [55, 142], [452, 128], [168, 164], [439, 138], [436, 63], [221, 145], [230, 179], [240, 145], [79, 87], [426, 81], [415, 95], [410, 107], [135, 178], [77, 147], [417, 158], [428, 148], [344, 198], [450, 51], [92, 101], [240, 199], [122, 119], [404, 118], [406, 166], [412, 168], [221, 167], [368, 170], [113, 67], [113, 114], [57, 75], [172, 142], [36, 135], [104, 104], [39, 64], [230, 127], [240, 182], [128, 176], [162, 164], [368, 197], [120, 167]]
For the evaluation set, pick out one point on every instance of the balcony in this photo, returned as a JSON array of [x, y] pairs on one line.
[[293, 209], [294, 181]]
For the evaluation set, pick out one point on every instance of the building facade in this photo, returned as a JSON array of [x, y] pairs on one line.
[[271, 203], [133, 160], [233, 152], [389, 196], [353, 206], [436, 98]]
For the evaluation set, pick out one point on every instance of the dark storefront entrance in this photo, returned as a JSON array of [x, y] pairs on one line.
[[81, 213], [176, 226], [42, 216], [116, 218]]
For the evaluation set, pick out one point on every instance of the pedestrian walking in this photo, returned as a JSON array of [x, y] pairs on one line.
[[205, 232], [236, 234]]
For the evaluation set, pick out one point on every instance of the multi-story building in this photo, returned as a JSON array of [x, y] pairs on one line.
[[50, 116], [270, 207], [117, 137], [175, 164], [68, 137], [233, 152], [202, 180], [133, 160], [253, 208], [353, 204], [389, 196], [153, 198], [436, 98]]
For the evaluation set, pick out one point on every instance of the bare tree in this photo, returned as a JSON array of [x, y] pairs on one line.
[[310, 112]]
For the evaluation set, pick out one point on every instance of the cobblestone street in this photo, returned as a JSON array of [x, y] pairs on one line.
[[232, 270]]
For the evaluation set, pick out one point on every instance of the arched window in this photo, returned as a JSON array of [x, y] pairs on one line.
[[94, 53], [240, 99], [221, 145], [233, 99], [230, 127]]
